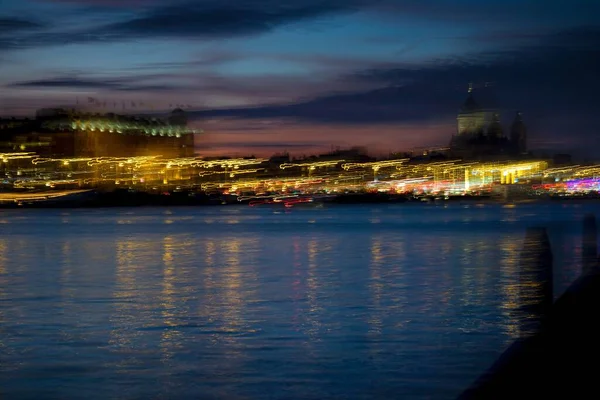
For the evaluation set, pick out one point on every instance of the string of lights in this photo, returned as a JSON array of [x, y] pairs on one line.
[[28, 170]]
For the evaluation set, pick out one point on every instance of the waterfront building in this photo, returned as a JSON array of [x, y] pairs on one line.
[[60, 132], [480, 134]]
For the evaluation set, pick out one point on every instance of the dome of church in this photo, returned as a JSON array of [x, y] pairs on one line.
[[470, 105]]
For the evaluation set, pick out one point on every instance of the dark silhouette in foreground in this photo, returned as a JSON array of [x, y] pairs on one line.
[[560, 359]]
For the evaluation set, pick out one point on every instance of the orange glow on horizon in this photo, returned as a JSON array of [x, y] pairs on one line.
[[242, 137]]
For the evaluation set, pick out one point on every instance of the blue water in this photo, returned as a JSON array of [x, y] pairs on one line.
[[355, 302]]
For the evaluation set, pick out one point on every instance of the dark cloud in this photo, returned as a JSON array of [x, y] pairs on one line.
[[117, 84], [10, 28], [105, 3], [68, 83], [187, 19], [263, 14], [218, 19], [401, 104], [562, 67], [12, 25], [555, 84], [223, 19], [208, 58], [211, 19]]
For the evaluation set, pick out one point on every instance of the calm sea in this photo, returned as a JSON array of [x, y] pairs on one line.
[[355, 302]]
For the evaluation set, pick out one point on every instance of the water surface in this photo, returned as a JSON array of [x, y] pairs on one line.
[[357, 302]]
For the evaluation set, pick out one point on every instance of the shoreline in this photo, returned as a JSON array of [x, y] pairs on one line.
[[126, 198]]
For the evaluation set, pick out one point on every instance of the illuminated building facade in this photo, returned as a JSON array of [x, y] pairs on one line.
[[68, 133], [480, 135]]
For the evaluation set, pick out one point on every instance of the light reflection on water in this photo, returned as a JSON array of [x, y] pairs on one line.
[[359, 302]]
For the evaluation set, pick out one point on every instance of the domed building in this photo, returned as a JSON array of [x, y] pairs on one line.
[[472, 119], [479, 134]]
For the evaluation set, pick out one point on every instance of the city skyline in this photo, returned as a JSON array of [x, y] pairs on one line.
[[311, 75]]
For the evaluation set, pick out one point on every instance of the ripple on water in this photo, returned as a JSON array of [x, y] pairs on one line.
[[393, 301]]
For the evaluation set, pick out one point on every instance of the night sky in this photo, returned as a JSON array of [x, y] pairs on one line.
[[305, 75]]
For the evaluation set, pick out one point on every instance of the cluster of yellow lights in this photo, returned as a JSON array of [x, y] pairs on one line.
[[550, 172], [506, 168], [573, 172], [309, 184], [23, 183], [231, 174], [376, 165], [92, 161], [232, 163], [125, 127], [587, 172], [16, 156], [229, 163], [312, 165], [141, 169], [148, 169], [148, 161], [37, 196], [430, 169], [256, 183]]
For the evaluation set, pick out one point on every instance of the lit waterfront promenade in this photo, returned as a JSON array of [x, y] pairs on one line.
[[28, 170], [234, 179], [559, 358]]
